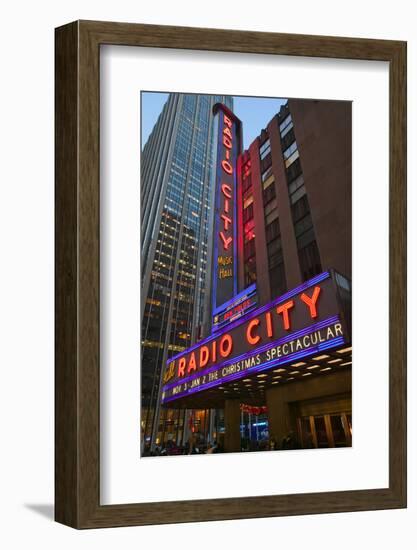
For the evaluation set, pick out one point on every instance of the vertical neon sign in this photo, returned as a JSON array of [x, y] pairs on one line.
[[225, 227]]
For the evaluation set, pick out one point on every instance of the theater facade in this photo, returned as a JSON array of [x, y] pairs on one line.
[[271, 365]]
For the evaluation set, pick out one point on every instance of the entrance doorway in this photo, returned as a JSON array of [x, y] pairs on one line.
[[325, 430], [325, 422]]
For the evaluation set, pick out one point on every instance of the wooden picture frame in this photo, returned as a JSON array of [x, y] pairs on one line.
[[77, 373]]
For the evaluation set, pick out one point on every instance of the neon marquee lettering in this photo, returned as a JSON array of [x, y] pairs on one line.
[[311, 301], [227, 194], [256, 331]]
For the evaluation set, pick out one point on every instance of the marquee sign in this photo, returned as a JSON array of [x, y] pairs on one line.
[[300, 323], [225, 245]]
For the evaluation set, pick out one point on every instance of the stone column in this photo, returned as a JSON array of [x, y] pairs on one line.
[[232, 425], [279, 421]]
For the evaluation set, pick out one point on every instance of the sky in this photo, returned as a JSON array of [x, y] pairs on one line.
[[254, 112]]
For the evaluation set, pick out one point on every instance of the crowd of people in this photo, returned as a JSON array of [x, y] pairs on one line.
[[170, 448]]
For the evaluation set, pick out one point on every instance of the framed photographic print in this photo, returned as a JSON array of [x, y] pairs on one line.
[[230, 274]]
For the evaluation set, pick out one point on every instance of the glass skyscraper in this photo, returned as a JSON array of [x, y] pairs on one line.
[[176, 197]]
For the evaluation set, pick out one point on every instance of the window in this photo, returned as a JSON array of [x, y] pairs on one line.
[[270, 207], [246, 183], [310, 264], [294, 170], [246, 176], [308, 252], [265, 175], [275, 256], [272, 230], [307, 236], [269, 193], [248, 213], [265, 149], [286, 130], [249, 233], [266, 163], [248, 227], [296, 189], [296, 184], [250, 271], [290, 150], [300, 209], [277, 280], [268, 181], [274, 249], [249, 255], [271, 217], [247, 201], [288, 138], [249, 249], [297, 195], [246, 169], [342, 282], [291, 159], [285, 123]]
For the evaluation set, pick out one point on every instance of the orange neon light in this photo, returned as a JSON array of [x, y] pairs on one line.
[[284, 311], [192, 365], [227, 133], [269, 330], [227, 167], [225, 351], [249, 337], [226, 220], [204, 356], [181, 367], [311, 302], [226, 241], [227, 121], [227, 190]]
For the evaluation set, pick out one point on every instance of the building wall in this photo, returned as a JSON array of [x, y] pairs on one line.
[[323, 131], [309, 164]]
